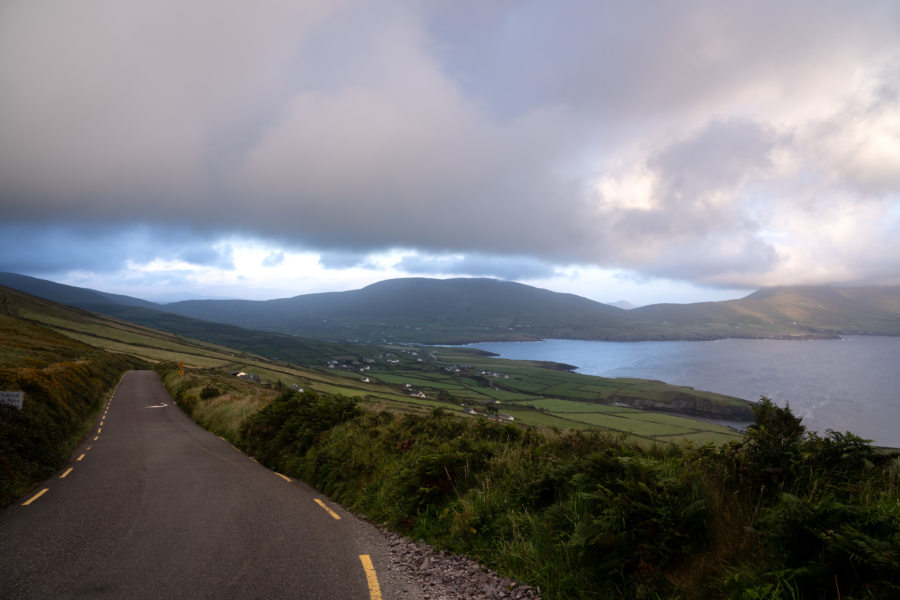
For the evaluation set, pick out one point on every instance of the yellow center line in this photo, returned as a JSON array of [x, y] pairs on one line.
[[79, 458], [67, 471], [96, 437], [326, 509], [88, 448], [285, 477], [371, 578], [36, 496], [99, 429]]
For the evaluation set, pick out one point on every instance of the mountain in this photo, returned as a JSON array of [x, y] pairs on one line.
[[467, 310], [787, 311], [421, 310], [270, 345], [67, 294], [450, 311]]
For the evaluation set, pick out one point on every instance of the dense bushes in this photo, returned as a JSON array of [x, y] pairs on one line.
[[288, 427], [585, 515]]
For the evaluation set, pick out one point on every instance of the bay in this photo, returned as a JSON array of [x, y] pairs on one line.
[[850, 384]]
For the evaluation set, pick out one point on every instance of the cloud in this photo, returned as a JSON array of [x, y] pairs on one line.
[[41, 249], [273, 259], [344, 260], [477, 266], [703, 141]]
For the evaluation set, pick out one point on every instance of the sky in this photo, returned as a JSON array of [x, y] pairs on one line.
[[644, 151]]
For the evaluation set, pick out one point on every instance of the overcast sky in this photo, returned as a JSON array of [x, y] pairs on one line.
[[648, 151]]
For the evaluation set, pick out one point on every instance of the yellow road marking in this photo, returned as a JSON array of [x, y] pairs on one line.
[[36, 496], [96, 437], [88, 448], [99, 429], [371, 578], [79, 458], [328, 510], [67, 471], [285, 477]]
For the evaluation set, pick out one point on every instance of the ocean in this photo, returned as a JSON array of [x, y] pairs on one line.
[[850, 384]]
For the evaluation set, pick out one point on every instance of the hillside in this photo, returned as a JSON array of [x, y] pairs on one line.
[[466, 310], [421, 310], [456, 311], [790, 311], [67, 294], [148, 314], [534, 393]]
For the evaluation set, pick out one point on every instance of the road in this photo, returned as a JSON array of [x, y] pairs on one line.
[[153, 506]]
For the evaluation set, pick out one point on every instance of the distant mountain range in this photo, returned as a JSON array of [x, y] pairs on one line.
[[447, 311]]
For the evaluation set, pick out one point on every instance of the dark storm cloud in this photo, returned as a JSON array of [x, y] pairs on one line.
[[693, 139], [343, 260], [39, 249]]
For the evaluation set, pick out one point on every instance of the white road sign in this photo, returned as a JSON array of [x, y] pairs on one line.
[[12, 398]]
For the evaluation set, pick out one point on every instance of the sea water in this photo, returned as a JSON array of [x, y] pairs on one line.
[[850, 384]]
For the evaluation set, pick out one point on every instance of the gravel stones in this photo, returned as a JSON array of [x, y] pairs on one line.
[[444, 576]]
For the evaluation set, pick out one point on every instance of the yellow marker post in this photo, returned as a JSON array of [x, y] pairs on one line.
[[371, 578], [181, 368]]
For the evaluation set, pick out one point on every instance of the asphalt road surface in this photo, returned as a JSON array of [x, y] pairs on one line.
[[153, 506]]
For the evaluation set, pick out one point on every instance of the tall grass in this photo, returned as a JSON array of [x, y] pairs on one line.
[[218, 403]]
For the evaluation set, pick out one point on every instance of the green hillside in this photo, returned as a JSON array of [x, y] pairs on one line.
[[277, 347], [466, 310], [794, 311], [456, 311], [421, 310]]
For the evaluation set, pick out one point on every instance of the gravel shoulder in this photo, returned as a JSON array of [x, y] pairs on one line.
[[410, 570]]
